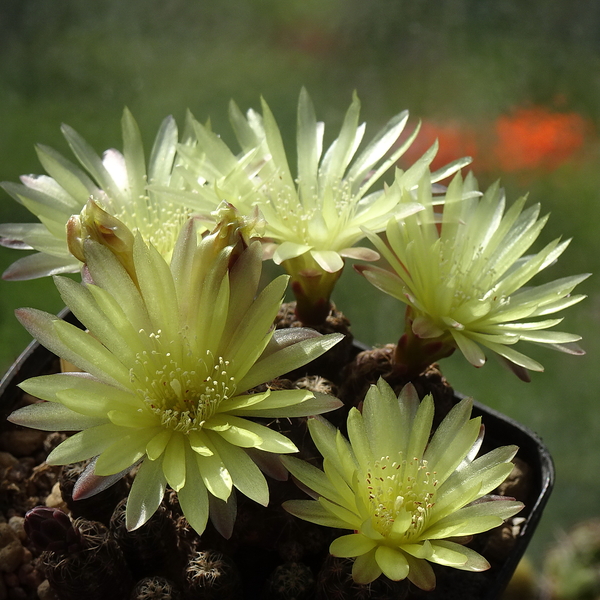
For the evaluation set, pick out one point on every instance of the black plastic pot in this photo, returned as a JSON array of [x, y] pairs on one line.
[[500, 430]]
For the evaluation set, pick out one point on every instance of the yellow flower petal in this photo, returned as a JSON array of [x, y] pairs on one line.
[[349, 546], [156, 446], [174, 462], [392, 562]]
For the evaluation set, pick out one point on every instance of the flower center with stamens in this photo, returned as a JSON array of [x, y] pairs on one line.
[[461, 291], [159, 225], [183, 395], [297, 219], [400, 496]]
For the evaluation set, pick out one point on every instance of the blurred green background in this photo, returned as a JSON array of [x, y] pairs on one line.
[[466, 62]]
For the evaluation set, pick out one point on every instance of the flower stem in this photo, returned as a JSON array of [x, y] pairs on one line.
[[414, 354], [312, 287]]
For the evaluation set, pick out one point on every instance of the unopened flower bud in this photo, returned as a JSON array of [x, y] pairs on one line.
[[96, 224], [234, 230], [51, 529]]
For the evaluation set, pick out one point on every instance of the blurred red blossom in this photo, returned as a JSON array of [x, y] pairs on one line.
[[525, 140], [537, 138], [455, 139]]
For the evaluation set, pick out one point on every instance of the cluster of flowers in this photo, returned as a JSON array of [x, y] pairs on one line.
[[169, 372]]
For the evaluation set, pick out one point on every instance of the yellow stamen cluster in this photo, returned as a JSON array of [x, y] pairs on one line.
[[158, 225], [401, 494], [297, 215], [183, 398]]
